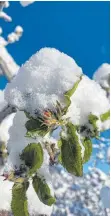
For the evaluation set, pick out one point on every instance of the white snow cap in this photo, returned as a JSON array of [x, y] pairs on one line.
[[102, 75], [46, 77], [42, 80]]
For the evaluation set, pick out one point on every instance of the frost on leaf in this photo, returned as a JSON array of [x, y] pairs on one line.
[[19, 199], [43, 191], [71, 151], [33, 157]]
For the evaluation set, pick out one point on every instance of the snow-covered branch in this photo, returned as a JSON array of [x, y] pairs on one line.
[[4, 4], [8, 67]]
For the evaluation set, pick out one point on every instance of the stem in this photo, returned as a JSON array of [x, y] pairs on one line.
[[6, 111]]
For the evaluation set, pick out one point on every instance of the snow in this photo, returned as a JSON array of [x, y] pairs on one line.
[[34, 205], [15, 36], [104, 125], [12, 133], [17, 141], [5, 194], [49, 74], [26, 3], [14, 136], [4, 4], [19, 29], [4, 128], [78, 196], [8, 65], [102, 75], [5, 16], [38, 84], [89, 98], [3, 103]]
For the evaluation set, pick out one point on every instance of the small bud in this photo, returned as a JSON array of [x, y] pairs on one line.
[[47, 114]]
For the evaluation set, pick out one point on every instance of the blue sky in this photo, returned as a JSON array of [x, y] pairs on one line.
[[80, 29]]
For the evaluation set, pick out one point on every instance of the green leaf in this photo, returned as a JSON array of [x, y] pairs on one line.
[[19, 200], [92, 120], [105, 116], [34, 128], [71, 151], [2, 147], [59, 143], [58, 110], [33, 157], [88, 149], [3, 152], [69, 93], [43, 191], [68, 103]]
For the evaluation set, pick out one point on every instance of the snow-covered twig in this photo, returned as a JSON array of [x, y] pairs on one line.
[[4, 4], [8, 67]]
